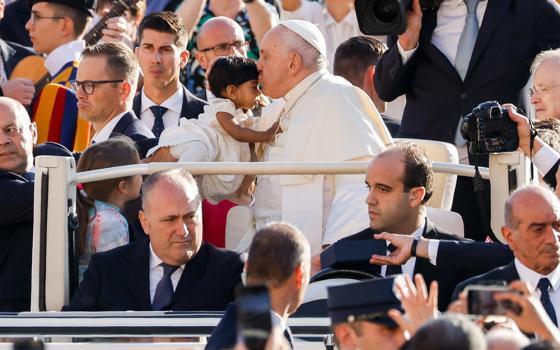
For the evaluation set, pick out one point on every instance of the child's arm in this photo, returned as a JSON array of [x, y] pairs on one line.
[[242, 134]]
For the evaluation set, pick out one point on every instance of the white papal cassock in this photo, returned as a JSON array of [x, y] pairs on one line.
[[323, 118]]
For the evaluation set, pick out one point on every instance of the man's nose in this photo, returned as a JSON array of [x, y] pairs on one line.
[[371, 199], [156, 56], [4, 138]]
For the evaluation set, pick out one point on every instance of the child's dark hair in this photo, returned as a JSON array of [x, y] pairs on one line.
[[231, 70], [116, 151]]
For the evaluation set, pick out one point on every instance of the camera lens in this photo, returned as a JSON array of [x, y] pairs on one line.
[[386, 10]]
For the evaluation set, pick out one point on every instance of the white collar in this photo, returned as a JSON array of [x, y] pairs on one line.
[[292, 96], [528, 275], [350, 18], [277, 320], [173, 103], [105, 132], [63, 54], [155, 261]]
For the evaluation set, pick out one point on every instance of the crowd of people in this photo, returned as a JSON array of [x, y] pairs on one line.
[[287, 81]]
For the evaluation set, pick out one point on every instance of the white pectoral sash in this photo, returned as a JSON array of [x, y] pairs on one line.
[[302, 206]]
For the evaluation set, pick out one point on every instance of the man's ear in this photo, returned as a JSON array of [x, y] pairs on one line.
[[296, 62], [183, 57], [299, 275], [144, 222], [34, 135], [368, 77], [417, 195], [508, 234], [201, 58], [345, 336], [126, 90]]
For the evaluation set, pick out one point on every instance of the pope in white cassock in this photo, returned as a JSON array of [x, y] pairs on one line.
[[323, 118]]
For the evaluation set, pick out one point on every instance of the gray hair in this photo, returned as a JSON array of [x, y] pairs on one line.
[[543, 56], [310, 56]]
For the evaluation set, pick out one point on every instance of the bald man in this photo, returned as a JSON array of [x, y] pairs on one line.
[[323, 118], [17, 137]]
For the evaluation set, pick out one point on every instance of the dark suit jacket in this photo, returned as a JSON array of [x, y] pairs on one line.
[[447, 279], [11, 54], [16, 232], [511, 34], [131, 126], [224, 335], [507, 273], [118, 280], [12, 25], [191, 108]]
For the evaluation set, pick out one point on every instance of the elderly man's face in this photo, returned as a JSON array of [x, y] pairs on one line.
[[172, 217], [535, 239], [17, 136], [273, 64], [546, 90]]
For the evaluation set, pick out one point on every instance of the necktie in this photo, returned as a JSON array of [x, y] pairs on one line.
[[164, 289], [158, 112], [468, 39], [544, 286], [29, 176]]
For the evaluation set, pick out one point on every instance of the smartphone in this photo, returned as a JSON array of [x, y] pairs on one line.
[[253, 316], [480, 300]]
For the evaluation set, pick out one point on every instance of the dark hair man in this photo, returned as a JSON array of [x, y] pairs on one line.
[[278, 257], [162, 54], [171, 270], [105, 86]]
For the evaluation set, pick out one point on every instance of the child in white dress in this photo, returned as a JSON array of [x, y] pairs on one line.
[[224, 131]]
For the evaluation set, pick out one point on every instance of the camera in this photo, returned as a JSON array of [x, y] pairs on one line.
[[386, 17], [480, 301], [488, 129]]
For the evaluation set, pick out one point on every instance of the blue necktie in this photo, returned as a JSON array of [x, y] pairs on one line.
[[467, 40], [158, 112], [164, 289], [29, 176], [544, 286]]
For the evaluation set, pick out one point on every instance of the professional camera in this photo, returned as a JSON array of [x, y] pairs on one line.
[[386, 17], [489, 129]]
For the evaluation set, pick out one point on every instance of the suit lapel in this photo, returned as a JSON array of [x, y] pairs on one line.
[[429, 24], [124, 123], [510, 272], [495, 12], [193, 272], [137, 105], [187, 111], [137, 274], [423, 266]]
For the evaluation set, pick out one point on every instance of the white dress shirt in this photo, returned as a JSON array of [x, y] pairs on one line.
[[545, 158], [156, 273], [334, 32], [63, 54], [532, 277], [107, 130], [174, 105]]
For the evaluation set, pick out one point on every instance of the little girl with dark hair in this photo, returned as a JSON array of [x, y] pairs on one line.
[[224, 131]]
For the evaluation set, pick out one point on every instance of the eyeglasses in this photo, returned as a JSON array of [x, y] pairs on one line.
[[223, 48], [88, 86], [543, 89], [35, 17]]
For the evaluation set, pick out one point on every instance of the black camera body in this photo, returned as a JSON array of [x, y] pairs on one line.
[[386, 17], [488, 129]]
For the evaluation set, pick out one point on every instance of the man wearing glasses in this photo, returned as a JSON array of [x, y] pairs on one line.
[[105, 85], [219, 36], [56, 28]]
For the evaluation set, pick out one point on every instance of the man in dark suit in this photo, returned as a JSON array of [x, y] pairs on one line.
[[400, 183], [452, 58], [278, 257], [17, 136], [105, 85], [162, 54], [171, 270], [532, 230]]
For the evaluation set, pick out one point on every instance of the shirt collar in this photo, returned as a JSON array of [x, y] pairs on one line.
[[63, 54], [350, 18], [298, 90], [277, 320], [105, 133], [155, 261], [528, 275], [173, 103]]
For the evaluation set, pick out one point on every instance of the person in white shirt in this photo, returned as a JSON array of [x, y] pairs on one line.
[[323, 118], [162, 54], [105, 86]]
